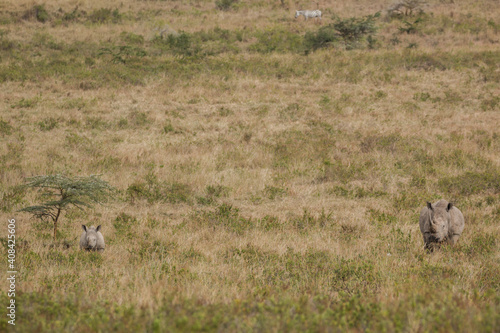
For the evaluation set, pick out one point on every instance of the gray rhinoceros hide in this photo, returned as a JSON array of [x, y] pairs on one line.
[[441, 222], [92, 239]]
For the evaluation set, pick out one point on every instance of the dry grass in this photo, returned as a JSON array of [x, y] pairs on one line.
[[284, 189]]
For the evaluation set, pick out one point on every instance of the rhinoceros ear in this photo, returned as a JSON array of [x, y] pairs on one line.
[[84, 227], [98, 228], [450, 205], [429, 205]]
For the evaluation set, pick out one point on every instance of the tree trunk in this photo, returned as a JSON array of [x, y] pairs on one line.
[[55, 223]]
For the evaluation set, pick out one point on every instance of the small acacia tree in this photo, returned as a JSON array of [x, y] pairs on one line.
[[354, 29], [61, 192]]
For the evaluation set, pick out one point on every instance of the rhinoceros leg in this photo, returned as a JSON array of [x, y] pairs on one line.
[[453, 239]]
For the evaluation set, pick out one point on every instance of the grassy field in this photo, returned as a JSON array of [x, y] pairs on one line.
[[270, 170]]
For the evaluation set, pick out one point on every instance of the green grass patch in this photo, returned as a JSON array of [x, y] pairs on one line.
[[471, 182], [226, 216], [154, 190], [350, 311]]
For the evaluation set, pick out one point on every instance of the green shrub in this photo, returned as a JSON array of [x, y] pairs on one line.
[[182, 44], [351, 32], [225, 4], [74, 15], [41, 13], [37, 12], [325, 37], [105, 15], [411, 27]]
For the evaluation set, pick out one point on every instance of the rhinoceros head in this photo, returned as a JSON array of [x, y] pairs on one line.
[[91, 236], [439, 220]]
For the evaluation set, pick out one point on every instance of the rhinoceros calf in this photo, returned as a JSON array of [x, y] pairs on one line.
[[441, 222], [92, 239]]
